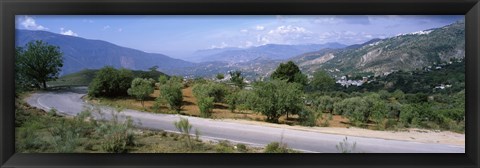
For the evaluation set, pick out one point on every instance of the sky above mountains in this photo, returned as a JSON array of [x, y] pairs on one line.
[[179, 36]]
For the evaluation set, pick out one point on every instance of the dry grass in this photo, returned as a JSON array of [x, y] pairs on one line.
[[164, 142]]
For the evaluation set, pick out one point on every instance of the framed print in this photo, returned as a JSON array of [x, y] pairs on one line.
[[239, 83]]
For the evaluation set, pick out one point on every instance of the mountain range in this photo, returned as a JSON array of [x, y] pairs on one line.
[[80, 53], [268, 51], [375, 57], [380, 56]]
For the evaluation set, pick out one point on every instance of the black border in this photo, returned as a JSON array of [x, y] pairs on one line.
[[10, 8]]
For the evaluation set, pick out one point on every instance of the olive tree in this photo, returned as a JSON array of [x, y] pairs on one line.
[[322, 81], [277, 97], [205, 100], [241, 100], [378, 108], [141, 89], [162, 79], [324, 104], [171, 91], [237, 79], [110, 82], [39, 62], [355, 109]]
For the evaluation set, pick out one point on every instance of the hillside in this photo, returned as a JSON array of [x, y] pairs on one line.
[[80, 53], [447, 77], [403, 52], [269, 51]]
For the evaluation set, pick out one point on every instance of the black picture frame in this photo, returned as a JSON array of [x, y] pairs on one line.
[[10, 8]]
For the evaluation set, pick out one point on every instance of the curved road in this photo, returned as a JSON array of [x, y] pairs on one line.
[[69, 102]]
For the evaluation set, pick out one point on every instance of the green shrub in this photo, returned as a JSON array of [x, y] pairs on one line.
[[216, 90], [324, 104], [205, 104], [110, 82], [171, 92], [28, 139], [66, 133], [378, 109], [241, 100], [224, 146], [355, 109], [322, 81], [115, 142], [408, 113], [390, 124], [308, 118], [242, 148], [141, 89], [66, 140], [276, 147], [206, 95], [162, 79], [232, 100], [237, 79], [184, 127], [117, 136], [220, 76]]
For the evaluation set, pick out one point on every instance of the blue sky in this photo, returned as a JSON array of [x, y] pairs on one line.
[[178, 36]]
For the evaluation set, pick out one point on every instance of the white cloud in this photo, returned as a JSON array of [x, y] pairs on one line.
[[286, 34], [119, 29], [68, 32], [244, 30], [288, 29], [259, 27], [222, 45], [106, 27], [29, 23]]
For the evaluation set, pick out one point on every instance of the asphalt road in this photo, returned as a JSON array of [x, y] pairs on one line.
[[69, 102]]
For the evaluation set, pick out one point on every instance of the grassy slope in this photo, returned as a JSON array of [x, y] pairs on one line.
[[83, 77]]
